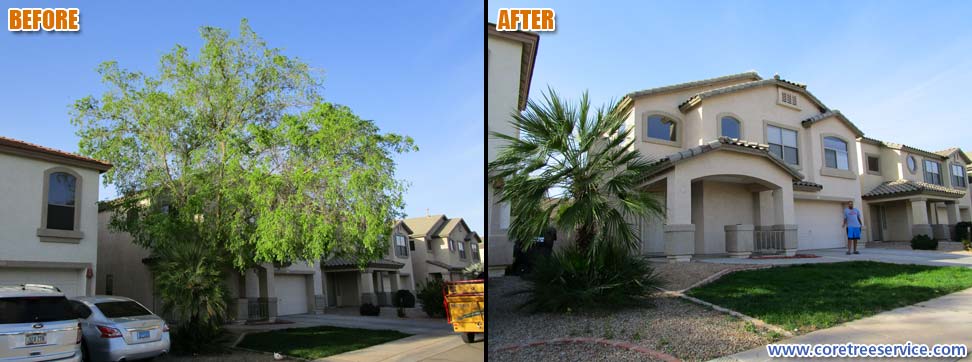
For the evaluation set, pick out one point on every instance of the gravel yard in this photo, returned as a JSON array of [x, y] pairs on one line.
[[672, 326], [569, 352], [678, 276]]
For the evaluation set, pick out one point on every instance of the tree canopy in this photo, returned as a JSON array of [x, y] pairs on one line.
[[234, 149]]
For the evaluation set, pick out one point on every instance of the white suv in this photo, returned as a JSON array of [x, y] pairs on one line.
[[37, 324]]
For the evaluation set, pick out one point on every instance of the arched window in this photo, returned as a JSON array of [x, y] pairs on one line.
[[662, 128], [730, 127], [835, 153], [61, 196]]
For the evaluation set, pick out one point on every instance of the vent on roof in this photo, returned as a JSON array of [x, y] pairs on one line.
[[788, 98]]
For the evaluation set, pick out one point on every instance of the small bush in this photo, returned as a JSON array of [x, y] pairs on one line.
[[369, 309], [430, 293], [404, 299], [962, 231], [572, 280], [923, 242]]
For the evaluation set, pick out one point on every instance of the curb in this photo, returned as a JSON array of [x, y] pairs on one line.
[[607, 342]]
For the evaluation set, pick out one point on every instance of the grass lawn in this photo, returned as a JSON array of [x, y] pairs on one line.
[[815, 296], [317, 342]]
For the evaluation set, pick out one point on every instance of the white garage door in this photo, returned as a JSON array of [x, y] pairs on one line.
[[291, 291], [819, 225], [67, 280]]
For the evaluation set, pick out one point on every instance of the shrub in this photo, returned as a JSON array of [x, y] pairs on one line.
[[571, 280], [189, 279], [923, 242], [369, 309], [473, 271], [404, 299], [430, 293], [962, 231]]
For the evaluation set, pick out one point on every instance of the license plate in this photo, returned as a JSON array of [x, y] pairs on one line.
[[36, 338], [142, 334]]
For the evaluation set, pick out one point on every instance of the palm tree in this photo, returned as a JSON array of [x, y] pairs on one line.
[[574, 168]]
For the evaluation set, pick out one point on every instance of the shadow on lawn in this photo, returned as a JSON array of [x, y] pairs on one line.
[[814, 296]]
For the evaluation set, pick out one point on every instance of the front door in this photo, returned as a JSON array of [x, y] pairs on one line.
[[878, 222]]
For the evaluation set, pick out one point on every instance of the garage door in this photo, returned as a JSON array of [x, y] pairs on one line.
[[291, 291], [67, 280], [819, 225]]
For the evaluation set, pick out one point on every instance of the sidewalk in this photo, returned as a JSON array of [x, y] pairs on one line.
[[415, 348], [897, 256], [946, 319]]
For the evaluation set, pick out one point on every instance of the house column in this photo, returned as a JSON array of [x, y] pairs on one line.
[[785, 218], [952, 210], [919, 217], [320, 298], [366, 287], [679, 230], [393, 281]]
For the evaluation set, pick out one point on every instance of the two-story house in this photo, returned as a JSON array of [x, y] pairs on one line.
[[909, 191], [348, 285], [443, 247], [509, 63], [49, 217]]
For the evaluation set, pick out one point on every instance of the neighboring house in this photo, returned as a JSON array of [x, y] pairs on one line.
[[510, 59], [911, 191], [442, 247], [49, 217], [743, 157], [347, 285]]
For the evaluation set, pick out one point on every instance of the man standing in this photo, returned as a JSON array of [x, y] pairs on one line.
[[852, 221]]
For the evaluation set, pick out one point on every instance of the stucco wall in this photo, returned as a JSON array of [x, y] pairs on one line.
[[22, 184], [407, 259], [503, 87], [122, 259], [723, 204]]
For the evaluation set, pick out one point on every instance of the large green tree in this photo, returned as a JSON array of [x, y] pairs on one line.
[[233, 149]]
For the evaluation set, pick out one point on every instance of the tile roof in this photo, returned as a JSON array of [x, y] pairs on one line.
[[797, 87], [444, 265], [833, 113], [806, 186], [750, 75], [18, 147], [422, 225], [342, 263], [949, 151], [908, 187], [730, 144], [898, 146]]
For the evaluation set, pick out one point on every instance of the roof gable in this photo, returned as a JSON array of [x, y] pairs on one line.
[[697, 99], [30, 150], [424, 225], [725, 144], [746, 76], [833, 114], [948, 152]]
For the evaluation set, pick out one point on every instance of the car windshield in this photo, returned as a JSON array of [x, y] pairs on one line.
[[122, 309], [34, 309]]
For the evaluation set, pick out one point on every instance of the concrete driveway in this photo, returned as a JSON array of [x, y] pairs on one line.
[[897, 256], [432, 340]]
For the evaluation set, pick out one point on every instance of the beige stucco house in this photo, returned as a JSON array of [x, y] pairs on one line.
[[509, 61], [751, 165], [348, 285], [49, 217], [443, 247]]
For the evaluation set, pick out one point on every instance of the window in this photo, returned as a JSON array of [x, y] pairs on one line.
[[873, 164], [401, 247], [933, 174], [411, 244], [15, 310], [462, 250], [958, 176], [109, 284], [428, 245], [912, 164], [835, 153], [79, 309], [788, 98], [61, 198], [730, 127], [661, 128], [474, 248], [783, 143], [122, 309]]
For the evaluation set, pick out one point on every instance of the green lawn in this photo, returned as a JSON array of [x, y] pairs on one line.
[[317, 342], [814, 296]]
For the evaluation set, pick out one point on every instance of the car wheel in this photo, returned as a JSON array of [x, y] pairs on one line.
[[469, 337]]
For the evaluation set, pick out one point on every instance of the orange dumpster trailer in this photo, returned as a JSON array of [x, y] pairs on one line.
[[464, 301]]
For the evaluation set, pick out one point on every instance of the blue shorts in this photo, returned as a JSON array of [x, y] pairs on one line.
[[853, 233]]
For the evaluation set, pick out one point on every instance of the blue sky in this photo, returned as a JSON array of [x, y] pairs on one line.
[[899, 70], [416, 69]]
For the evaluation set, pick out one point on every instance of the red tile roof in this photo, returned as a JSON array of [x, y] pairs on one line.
[[27, 149]]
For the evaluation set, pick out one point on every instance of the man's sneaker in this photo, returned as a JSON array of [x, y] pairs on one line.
[[856, 252], [848, 253]]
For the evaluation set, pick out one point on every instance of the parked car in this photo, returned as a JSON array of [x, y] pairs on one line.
[[119, 329], [37, 324]]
